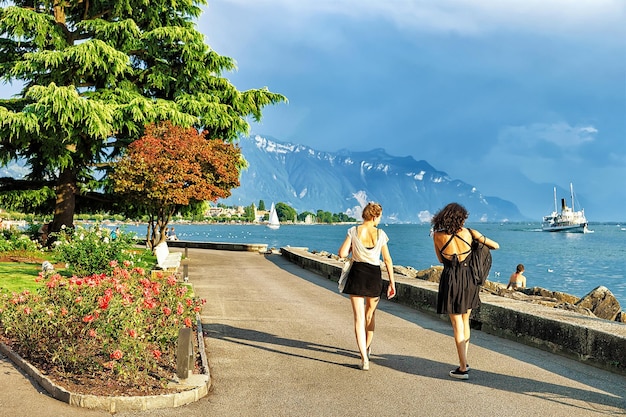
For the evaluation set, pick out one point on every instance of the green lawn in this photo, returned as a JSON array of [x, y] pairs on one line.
[[20, 276], [17, 276]]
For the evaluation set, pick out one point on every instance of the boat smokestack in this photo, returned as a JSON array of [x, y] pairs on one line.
[[563, 205]]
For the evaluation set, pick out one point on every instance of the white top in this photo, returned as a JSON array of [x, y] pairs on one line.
[[362, 254]]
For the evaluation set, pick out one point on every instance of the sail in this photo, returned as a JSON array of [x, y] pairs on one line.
[[273, 221]]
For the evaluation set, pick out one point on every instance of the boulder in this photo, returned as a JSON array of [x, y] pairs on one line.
[[577, 309], [432, 274], [407, 271], [601, 302], [558, 296]]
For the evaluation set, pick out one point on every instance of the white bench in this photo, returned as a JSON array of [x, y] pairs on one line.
[[166, 260]]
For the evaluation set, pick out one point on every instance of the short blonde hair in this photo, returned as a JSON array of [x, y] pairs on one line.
[[371, 211]]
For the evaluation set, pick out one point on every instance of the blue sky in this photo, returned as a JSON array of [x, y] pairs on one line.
[[514, 97], [503, 95]]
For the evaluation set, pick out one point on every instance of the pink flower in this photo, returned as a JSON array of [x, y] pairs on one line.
[[171, 280], [179, 309], [92, 333], [27, 310], [113, 264], [188, 322], [127, 263], [116, 355], [167, 311], [149, 303], [63, 311]]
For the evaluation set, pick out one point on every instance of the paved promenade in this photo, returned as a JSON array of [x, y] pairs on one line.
[[280, 342]]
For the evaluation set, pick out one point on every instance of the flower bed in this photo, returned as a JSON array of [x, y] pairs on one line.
[[119, 327]]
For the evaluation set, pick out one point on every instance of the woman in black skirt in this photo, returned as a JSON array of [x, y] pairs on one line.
[[458, 294], [365, 284]]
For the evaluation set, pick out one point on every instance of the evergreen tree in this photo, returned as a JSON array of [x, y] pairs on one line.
[[261, 205], [94, 74]]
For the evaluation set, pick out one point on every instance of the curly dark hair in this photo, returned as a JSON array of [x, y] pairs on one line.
[[450, 219]]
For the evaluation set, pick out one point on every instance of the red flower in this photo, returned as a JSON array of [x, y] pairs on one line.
[[149, 303], [116, 354], [179, 309], [88, 318], [63, 311], [27, 310], [132, 333], [103, 302], [156, 353], [167, 311], [188, 322]]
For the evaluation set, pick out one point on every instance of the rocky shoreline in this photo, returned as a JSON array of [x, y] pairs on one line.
[[599, 303]]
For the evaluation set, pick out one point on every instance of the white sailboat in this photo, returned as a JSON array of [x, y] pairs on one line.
[[273, 222], [568, 220]]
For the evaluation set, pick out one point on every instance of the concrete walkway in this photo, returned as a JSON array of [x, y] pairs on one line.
[[280, 343]]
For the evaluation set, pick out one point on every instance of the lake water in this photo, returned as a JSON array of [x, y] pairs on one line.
[[568, 262]]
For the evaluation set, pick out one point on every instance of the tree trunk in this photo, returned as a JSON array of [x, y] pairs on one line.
[[65, 201]]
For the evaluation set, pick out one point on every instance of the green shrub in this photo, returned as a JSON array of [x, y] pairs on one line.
[[15, 240], [89, 251]]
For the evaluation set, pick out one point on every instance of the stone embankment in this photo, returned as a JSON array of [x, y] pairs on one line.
[[590, 329]]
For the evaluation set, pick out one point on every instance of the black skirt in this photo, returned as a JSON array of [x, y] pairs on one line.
[[458, 292], [364, 280]]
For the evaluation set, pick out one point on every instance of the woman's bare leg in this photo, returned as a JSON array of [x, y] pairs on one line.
[[460, 339], [466, 331], [358, 309], [370, 319]]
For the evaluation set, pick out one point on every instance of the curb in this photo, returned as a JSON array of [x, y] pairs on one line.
[[196, 387]]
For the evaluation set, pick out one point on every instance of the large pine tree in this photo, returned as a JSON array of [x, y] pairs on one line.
[[94, 74]]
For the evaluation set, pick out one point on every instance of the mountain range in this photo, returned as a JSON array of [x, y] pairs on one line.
[[306, 179]]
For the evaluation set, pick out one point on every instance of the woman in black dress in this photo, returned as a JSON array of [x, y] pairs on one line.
[[365, 284], [458, 294]]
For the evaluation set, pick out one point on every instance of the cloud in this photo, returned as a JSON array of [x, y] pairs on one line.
[[566, 138], [468, 17], [541, 151]]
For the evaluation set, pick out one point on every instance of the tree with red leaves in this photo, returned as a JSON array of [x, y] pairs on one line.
[[171, 167]]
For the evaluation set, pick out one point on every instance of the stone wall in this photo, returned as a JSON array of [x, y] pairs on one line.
[[598, 342]]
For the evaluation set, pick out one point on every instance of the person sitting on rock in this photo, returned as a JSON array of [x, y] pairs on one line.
[[517, 280]]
